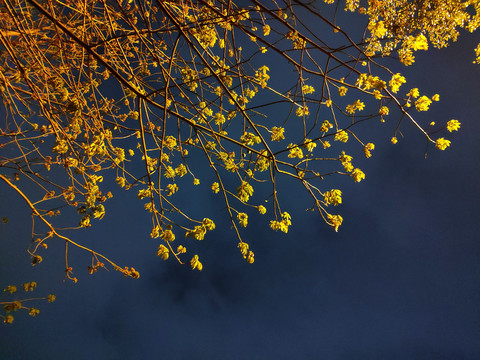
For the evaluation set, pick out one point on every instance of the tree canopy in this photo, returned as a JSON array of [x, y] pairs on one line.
[[162, 97]]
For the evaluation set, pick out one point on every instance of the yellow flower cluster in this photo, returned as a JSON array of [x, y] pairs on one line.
[[181, 170], [342, 136], [168, 235], [244, 191], [346, 161], [357, 105], [277, 133], [250, 139], [302, 111], [200, 230], [383, 111], [170, 142], [335, 221], [309, 145], [261, 76], [263, 162], [219, 119], [196, 264], [377, 29], [442, 144], [333, 197], [29, 286], [11, 289], [266, 30], [396, 81], [367, 149], [242, 219], [367, 82], [215, 187], [326, 125], [453, 125], [358, 175], [248, 255], [298, 41], [283, 224], [295, 151], [308, 89], [171, 189], [423, 103]]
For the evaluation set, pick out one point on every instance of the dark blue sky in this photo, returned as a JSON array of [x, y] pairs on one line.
[[400, 280]]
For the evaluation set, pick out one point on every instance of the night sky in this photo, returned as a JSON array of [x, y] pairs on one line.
[[400, 280]]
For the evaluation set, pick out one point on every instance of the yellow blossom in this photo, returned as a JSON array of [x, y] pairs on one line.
[[242, 219], [170, 142], [309, 145], [219, 118], [277, 133], [326, 125], [358, 175], [335, 221], [295, 151], [453, 125], [406, 56], [172, 189], [307, 89], [163, 252], [341, 136], [262, 210], [423, 103], [155, 233], [393, 140], [243, 246], [442, 144], [333, 197], [168, 235], [359, 105], [196, 264], [302, 110], [261, 76], [11, 289], [198, 232], [250, 257], [181, 170], [414, 93], [384, 111], [215, 188], [266, 30], [244, 191], [33, 312], [209, 224], [30, 286], [396, 81], [420, 43], [377, 29], [346, 161], [367, 149]]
